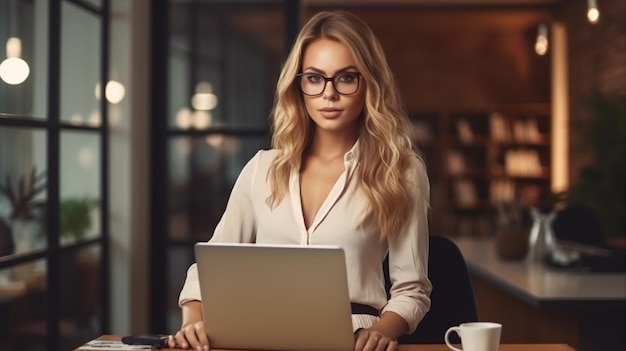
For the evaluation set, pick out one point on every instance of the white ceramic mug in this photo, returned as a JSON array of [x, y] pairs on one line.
[[476, 336]]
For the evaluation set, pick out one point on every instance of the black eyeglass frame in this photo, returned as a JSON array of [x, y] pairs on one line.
[[329, 79]]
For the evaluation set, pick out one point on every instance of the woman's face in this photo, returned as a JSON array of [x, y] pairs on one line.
[[338, 106]]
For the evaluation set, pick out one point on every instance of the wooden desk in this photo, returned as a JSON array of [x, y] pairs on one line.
[[539, 304], [504, 347]]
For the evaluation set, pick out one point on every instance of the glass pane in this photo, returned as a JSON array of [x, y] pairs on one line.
[[80, 66], [202, 174], [224, 62], [23, 68], [97, 3], [80, 186], [23, 308], [22, 190], [179, 260], [79, 301]]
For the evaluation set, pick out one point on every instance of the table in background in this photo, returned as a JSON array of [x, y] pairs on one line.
[[539, 304], [503, 347]]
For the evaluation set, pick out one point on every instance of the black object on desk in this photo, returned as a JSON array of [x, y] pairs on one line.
[[155, 341], [589, 258]]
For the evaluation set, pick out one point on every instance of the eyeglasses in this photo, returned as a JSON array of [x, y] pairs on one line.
[[314, 84]]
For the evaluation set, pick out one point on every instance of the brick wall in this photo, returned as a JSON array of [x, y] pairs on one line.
[[444, 57], [597, 60]]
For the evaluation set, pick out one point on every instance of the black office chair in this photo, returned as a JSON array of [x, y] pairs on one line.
[[580, 224], [452, 297]]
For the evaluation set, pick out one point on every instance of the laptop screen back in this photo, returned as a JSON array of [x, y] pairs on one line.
[[278, 297]]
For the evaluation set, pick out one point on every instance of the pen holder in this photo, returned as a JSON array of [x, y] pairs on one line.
[[512, 243]]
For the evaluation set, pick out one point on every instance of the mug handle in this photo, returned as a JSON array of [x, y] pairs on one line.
[[445, 337]]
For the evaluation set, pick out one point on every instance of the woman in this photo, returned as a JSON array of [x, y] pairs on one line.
[[341, 171]]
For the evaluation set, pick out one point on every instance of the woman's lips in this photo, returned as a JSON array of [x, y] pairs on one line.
[[330, 112]]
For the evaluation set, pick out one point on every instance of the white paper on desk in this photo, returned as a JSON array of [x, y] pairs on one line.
[[111, 345]]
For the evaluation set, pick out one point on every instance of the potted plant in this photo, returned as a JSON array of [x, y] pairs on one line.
[[26, 207], [23, 196], [601, 185], [75, 217]]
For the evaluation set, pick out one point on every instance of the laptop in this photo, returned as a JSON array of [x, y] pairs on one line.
[[275, 297]]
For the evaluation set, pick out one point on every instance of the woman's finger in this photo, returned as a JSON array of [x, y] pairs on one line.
[[203, 339], [391, 346], [181, 340]]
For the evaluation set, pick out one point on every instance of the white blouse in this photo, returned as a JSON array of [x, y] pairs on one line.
[[248, 218]]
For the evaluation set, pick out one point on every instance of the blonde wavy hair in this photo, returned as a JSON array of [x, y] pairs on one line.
[[386, 151]]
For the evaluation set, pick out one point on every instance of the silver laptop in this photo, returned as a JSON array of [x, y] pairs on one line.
[[275, 297]]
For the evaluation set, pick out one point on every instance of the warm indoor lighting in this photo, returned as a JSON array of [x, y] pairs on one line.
[[14, 70], [183, 118], [560, 144], [541, 45], [202, 119], [204, 99], [114, 91], [593, 14]]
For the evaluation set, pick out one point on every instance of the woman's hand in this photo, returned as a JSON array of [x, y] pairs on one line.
[[373, 340], [191, 336]]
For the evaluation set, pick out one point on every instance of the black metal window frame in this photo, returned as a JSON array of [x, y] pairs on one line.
[[160, 134], [53, 126]]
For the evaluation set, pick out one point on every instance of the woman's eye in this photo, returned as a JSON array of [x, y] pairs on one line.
[[346, 78], [314, 78]]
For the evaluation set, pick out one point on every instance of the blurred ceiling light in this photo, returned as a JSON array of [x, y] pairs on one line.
[[541, 45], [183, 118], [14, 70], [204, 102], [114, 91], [202, 119], [204, 99], [593, 14]]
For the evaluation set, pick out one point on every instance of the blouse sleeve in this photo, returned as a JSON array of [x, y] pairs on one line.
[[237, 225], [408, 259]]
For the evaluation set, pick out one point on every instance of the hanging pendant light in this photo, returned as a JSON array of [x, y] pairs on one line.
[[541, 44], [593, 14], [14, 70]]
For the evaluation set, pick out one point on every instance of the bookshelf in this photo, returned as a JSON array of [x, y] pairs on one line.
[[477, 158]]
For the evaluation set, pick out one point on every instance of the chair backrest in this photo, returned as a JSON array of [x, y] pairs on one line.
[[452, 297], [579, 223]]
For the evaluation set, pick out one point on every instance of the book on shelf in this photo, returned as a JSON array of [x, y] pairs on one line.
[[465, 193], [501, 190], [522, 162], [455, 162], [498, 127], [464, 130], [526, 131]]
